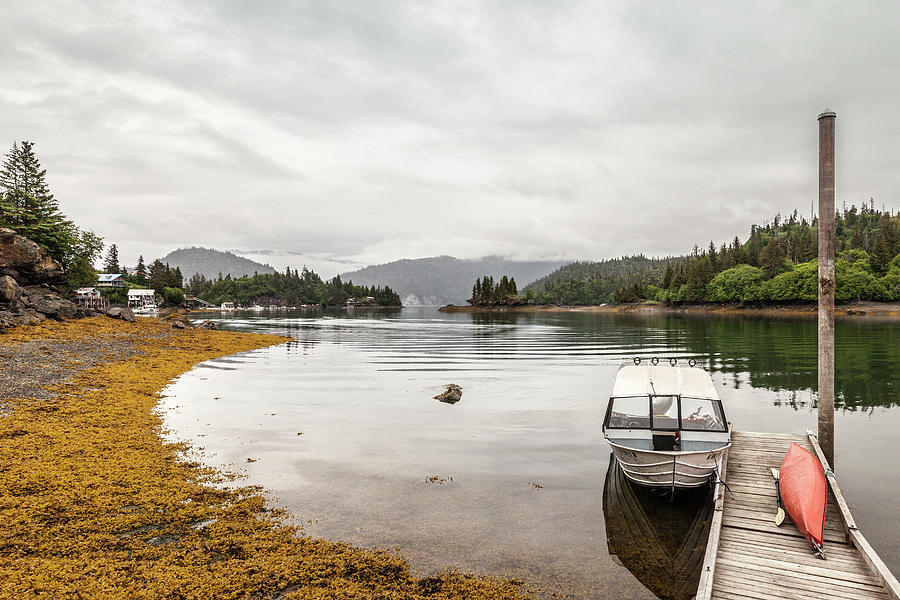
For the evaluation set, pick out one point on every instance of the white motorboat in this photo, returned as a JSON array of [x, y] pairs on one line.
[[666, 425], [147, 310]]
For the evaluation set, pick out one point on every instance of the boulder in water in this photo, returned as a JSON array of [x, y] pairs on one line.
[[451, 395], [119, 312]]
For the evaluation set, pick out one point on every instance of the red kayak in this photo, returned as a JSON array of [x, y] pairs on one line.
[[804, 493]]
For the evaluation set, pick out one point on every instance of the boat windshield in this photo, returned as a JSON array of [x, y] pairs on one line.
[[629, 413], [699, 414], [695, 414], [665, 412]]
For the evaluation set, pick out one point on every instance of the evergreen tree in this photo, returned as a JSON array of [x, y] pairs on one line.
[[111, 262], [141, 269], [27, 206], [158, 275]]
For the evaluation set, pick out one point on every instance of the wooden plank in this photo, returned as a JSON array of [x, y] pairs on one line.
[[788, 585], [797, 572], [708, 571], [823, 569], [748, 557], [764, 548], [746, 548], [868, 553]]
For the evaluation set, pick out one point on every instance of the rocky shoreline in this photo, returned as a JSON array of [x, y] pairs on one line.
[[886, 310]]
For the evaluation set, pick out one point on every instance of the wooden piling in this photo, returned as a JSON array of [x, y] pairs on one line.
[[826, 284]]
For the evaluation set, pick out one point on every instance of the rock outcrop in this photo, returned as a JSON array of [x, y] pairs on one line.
[[26, 262], [32, 284]]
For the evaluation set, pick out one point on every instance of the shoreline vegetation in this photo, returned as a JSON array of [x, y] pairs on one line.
[[94, 503], [851, 309]]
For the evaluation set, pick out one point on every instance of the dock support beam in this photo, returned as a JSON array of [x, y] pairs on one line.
[[826, 284]]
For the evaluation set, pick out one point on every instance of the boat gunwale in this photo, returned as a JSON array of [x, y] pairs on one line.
[[676, 453]]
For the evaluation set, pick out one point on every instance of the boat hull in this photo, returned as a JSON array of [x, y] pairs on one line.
[[662, 543], [669, 469], [804, 492]]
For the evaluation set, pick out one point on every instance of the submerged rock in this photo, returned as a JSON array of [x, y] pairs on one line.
[[451, 395]]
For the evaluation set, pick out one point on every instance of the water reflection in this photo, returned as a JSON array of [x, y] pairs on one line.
[[777, 353], [661, 542], [344, 431]]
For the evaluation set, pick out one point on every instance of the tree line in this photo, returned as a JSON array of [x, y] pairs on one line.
[[776, 263], [291, 288], [487, 293]]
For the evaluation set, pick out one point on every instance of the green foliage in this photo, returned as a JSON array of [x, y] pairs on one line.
[[27, 206], [855, 278], [291, 288], [115, 295], [599, 282], [172, 295], [777, 263], [162, 275], [801, 283], [891, 281], [736, 284]]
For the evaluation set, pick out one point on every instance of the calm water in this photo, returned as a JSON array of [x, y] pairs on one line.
[[344, 431]]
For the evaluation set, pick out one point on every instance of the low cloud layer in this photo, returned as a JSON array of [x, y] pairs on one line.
[[341, 134]]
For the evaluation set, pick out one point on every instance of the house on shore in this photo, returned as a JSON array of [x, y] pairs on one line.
[[114, 280], [138, 299], [90, 298]]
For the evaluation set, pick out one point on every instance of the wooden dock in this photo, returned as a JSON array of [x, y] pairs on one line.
[[748, 557]]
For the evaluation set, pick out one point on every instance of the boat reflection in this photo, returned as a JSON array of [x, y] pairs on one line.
[[662, 543]]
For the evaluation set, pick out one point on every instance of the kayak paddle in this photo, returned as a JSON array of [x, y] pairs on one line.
[[779, 515]]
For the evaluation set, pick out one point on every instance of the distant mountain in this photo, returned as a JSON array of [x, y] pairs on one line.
[[210, 263], [441, 280]]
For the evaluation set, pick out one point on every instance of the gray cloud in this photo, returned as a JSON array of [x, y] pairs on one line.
[[342, 134]]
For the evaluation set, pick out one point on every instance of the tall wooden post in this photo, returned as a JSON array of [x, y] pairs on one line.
[[826, 284]]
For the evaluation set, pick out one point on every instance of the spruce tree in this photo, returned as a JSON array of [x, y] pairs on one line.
[[141, 269], [111, 262]]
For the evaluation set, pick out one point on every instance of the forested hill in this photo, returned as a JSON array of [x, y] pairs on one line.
[[776, 262], [443, 280], [210, 263], [595, 282]]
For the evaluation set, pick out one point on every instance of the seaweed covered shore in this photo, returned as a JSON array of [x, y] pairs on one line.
[[94, 504]]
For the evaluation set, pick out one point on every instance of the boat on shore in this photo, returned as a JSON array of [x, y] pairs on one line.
[[666, 425]]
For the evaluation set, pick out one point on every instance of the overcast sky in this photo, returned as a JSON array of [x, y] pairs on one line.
[[340, 134]]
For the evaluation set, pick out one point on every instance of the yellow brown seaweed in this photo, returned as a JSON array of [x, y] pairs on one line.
[[94, 504]]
